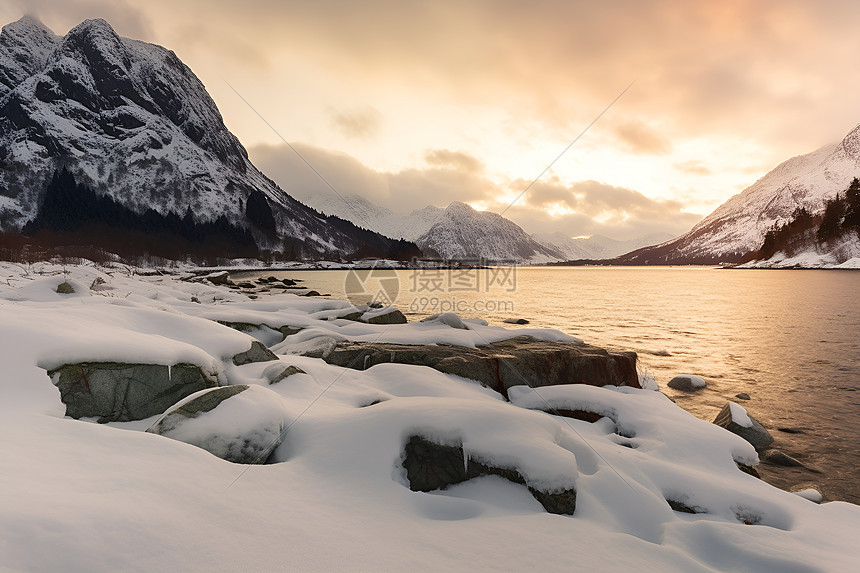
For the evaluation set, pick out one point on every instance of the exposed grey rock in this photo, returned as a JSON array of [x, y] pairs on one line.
[[354, 316], [117, 392], [516, 321], [513, 362], [792, 430], [756, 434], [687, 383], [65, 288], [742, 396], [312, 293], [394, 316], [243, 442], [782, 459], [257, 353], [683, 507], [289, 330], [240, 326], [430, 466], [584, 415], [277, 372], [747, 469]]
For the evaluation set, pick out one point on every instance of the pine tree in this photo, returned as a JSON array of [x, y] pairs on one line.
[[852, 207], [831, 222]]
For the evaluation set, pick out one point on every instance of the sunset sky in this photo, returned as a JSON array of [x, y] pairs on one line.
[[416, 103]]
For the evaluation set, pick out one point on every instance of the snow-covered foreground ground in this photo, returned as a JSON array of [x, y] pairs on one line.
[[82, 496]]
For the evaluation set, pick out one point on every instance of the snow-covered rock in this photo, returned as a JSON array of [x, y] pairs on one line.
[[446, 318], [501, 365], [240, 424], [431, 466], [385, 315], [811, 494], [737, 420], [257, 353], [687, 382]]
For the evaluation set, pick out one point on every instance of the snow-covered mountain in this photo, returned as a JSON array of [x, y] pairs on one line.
[[133, 122], [371, 216], [464, 233], [596, 246], [738, 225], [456, 232]]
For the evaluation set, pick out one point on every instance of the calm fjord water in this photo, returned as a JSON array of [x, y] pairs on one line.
[[788, 338]]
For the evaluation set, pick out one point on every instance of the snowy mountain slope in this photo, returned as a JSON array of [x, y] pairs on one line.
[[464, 233], [596, 246], [133, 122], [456, 232], [365, 214], [738, 225], [507, 242]]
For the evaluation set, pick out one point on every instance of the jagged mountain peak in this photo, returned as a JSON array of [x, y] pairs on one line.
[[97, 42], [461, 232], [25, 28], [24, 49], [850, 144]]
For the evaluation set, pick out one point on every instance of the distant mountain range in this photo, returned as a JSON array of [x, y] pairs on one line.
[[738, 226], [461, 232], [596, 247], [132, 123]]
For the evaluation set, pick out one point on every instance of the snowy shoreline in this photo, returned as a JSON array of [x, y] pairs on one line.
[[99, 497]]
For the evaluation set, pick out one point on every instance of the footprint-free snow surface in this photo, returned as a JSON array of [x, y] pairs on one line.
[[83, 496]]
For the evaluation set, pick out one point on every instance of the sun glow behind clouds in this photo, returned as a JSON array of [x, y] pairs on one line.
[[559, 210]]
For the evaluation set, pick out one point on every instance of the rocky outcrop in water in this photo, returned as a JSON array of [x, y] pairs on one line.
[[687, 383], [737, 420]]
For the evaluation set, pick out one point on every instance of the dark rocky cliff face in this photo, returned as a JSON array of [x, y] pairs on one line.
[[132, 122]]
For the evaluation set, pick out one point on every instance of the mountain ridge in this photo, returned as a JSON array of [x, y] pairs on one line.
[[738, 226], [134, 123]]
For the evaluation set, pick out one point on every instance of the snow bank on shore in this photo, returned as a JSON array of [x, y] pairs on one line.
[[842, 253], [81, 496]]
